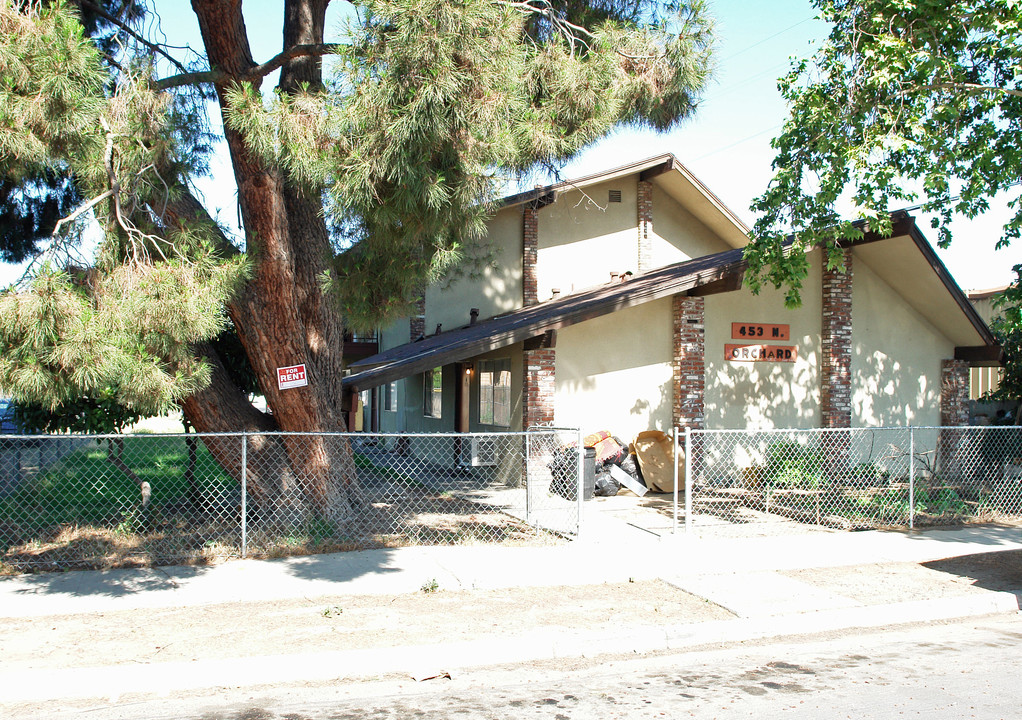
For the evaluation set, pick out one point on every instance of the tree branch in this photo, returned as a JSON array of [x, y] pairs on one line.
[[971, 88], [296, 51], [123, 26], [87, 206], [205, 77], [201, 77], [573, 34]]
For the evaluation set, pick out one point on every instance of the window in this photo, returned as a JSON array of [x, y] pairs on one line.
[[432, 392], [495, 392], [390, 397]]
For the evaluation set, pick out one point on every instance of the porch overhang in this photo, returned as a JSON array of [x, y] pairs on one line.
[[536, 320]]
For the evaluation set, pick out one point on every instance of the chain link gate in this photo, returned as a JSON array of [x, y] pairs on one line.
[[782, 481], [122, 500]]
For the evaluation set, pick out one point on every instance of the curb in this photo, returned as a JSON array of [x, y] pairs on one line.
[[426, 661]]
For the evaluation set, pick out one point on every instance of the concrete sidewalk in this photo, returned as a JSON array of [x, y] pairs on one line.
[[745, 576], [405, 570]]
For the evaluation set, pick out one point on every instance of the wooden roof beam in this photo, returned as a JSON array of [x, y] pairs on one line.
[[664, 167]]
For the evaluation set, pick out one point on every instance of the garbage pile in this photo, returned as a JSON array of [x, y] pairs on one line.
[[612, 452], [610, 463]]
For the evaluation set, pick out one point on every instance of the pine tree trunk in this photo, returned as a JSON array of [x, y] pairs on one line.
[[282, 318]]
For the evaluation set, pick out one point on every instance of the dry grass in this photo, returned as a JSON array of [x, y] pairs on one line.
[[448, 521]]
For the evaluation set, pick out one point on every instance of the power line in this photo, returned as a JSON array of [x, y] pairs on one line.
[[768, 38], [738, 142]]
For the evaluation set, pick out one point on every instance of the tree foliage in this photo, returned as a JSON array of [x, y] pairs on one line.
[[432, 105], [906, 100], [1007, 328], [395, 158]]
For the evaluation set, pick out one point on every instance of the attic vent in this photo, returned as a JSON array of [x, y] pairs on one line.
[[615, 196]]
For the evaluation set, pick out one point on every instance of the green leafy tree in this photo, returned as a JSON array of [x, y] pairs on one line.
[[906, 100], [356, 185], [1007, 328]]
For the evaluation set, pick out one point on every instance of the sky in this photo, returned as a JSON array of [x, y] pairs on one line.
[[726, 143]]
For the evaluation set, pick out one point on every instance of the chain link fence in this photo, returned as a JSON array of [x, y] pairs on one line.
[[116, 501], [851, 479]]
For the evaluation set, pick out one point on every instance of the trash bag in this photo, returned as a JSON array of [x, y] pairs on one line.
[[606, 485], [630, 465], [564, 468]]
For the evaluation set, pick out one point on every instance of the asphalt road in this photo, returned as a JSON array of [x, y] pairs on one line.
[[965, 669]]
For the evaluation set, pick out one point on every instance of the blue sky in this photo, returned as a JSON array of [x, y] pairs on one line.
[[726, 143]]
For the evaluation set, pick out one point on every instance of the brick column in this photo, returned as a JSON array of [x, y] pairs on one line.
[[953, 456], [836, 347], [538, 387], [954, 392], [645, 203], [417, 321], [530, 254], [689, 361]]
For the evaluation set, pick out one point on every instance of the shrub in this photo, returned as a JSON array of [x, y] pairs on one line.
[[794, 466]]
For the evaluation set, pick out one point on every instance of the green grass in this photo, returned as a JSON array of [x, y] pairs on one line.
[[86, 488], [84, 512], [363, 462]]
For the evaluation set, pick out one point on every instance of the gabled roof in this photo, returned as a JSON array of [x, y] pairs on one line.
[[535, 320], [667, 172], [905, 261]]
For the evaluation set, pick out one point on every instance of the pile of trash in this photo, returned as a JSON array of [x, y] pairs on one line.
[[610, 463]]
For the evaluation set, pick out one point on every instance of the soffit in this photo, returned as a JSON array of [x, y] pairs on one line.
[[905, 267], [673, 178], [686, 189]]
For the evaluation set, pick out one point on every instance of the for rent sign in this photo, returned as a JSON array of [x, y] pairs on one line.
[[291, 377]]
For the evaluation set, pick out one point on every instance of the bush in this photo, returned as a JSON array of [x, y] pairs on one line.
[[793, 466]]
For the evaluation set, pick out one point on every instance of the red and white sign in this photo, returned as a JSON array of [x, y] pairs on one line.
[[291, 377]]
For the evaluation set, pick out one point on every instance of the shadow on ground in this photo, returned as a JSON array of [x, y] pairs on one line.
[[998, 571], [991, 533]]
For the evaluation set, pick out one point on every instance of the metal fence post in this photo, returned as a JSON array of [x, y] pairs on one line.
[[688, 480], [581, 479], [911, 477], [244, 494], [528, 479], [676, 448]]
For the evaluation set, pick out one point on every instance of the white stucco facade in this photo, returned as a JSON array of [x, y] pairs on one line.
[[616, 370], [764, 395]]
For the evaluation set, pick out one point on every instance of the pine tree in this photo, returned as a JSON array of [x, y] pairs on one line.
[[355, 187]]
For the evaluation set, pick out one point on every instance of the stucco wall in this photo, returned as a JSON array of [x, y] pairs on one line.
[[394, 334], [896, 356], [614, 372], [582, 237], [764, 395], [494, 288], [677, 234]]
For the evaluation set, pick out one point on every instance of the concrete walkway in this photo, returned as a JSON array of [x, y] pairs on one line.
[[687, 561], [741, 575]]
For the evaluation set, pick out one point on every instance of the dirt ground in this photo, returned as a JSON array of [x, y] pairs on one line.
[[436, 615], [879, 584], [337, 623]]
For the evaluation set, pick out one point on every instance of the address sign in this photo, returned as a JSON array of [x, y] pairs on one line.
[[760, 331]]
